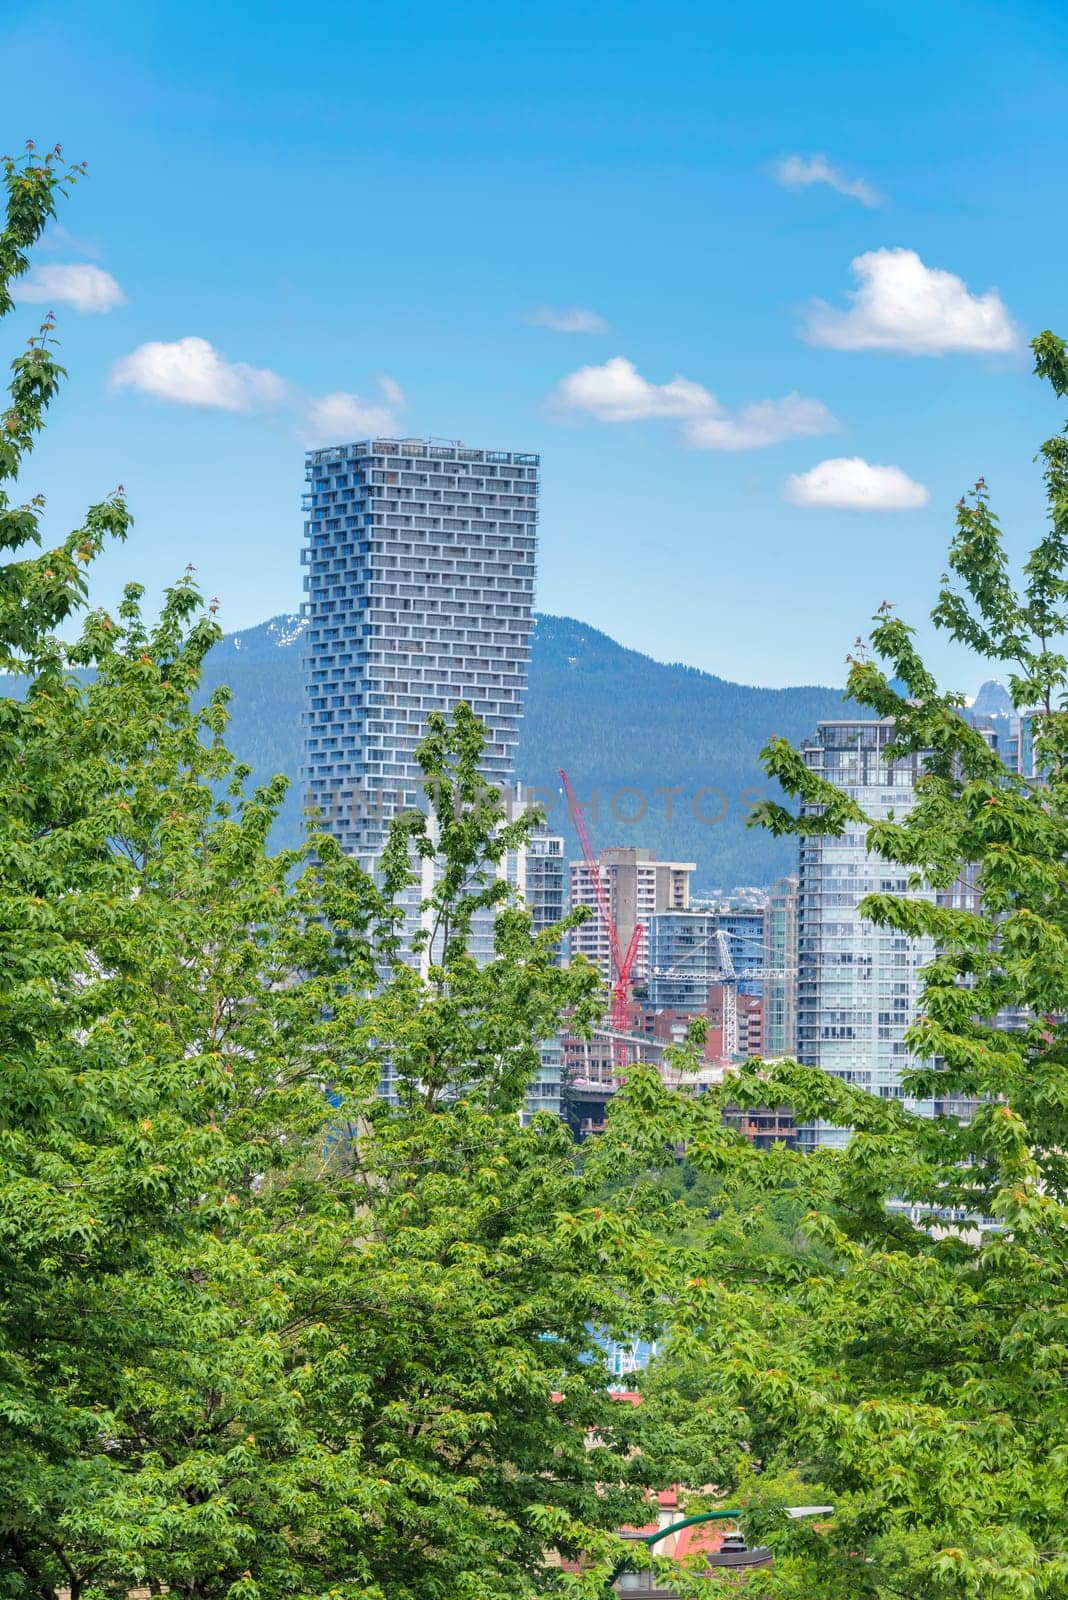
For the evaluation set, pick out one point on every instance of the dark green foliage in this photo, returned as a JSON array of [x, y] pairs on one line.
[[262, 1334], [914, 1370]]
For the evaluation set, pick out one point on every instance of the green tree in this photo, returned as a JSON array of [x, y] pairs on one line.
[[914, 1369], [262, 1333]]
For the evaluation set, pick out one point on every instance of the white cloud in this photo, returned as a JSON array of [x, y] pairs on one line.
[[903, 305], [391, 390], [340, 416], [849, 483], [576, 319], [617, 392], [764, 422], [191, 372], [799, 172], [81, 285]]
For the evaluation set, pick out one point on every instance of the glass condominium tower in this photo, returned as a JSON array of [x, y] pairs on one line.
[[780, 969], [419, 591], [857, 985]]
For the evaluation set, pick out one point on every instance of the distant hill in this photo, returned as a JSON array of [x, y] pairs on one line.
[[262, 667], [615, 719]]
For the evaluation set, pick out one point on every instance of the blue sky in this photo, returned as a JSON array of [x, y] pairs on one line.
[[355, 210]]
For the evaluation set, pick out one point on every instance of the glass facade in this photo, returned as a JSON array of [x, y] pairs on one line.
[[542, 883], [685, 959], [744, 928], [546, 1092], [780, 969], [858, 985], [686, 955]]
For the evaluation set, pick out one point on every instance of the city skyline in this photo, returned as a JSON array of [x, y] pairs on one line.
[[487, 1104], [680, 281]]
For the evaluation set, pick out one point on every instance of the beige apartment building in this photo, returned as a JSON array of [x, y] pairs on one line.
[[638, 885]]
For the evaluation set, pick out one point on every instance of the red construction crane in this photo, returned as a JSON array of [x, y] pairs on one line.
[[622, 964]]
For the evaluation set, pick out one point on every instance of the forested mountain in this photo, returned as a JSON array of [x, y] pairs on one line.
[[618, 721], [621, 724]]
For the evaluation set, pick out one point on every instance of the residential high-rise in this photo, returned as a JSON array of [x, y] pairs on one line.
[[546, 1093], [780, 969], [686, 956], [542, 878], [420, 585], [858, 985], [638, 885], [743, 926], [541, 874], [690, 950]]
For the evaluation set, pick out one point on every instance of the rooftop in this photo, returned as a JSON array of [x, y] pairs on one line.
[[435, 449]]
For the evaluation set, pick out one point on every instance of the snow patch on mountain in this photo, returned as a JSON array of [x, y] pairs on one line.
[[277, 633], [286, 630]]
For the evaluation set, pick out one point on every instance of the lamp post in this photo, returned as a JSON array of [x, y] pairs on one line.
[[726, 1515]]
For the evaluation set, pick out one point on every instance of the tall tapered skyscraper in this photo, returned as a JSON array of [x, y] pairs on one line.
[[420, 586]]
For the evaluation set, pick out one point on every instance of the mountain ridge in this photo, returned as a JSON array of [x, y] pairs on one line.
[[671, 750], [662, 755]]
